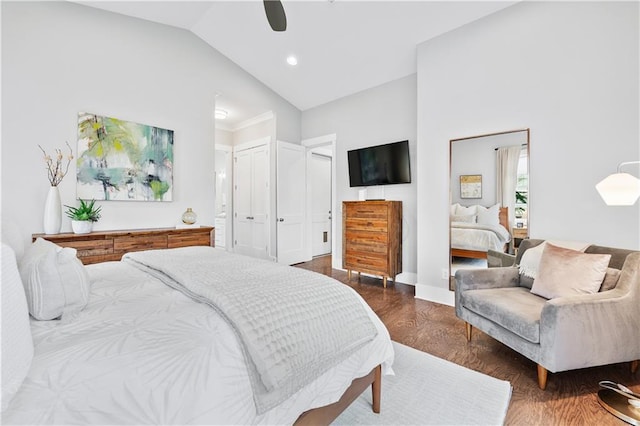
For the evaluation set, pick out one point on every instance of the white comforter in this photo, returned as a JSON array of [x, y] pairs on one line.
[[142, 353], [473, 236], [292, 324]]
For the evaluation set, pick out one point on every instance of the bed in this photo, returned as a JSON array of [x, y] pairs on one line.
[[476, 229], [142, 350]]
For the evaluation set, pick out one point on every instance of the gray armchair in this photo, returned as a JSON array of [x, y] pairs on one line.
[[559, 334]]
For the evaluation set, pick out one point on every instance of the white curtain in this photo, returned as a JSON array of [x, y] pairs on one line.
[[507, 178]]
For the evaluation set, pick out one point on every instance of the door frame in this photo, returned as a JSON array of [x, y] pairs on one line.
[[228, 222], [320, 141]]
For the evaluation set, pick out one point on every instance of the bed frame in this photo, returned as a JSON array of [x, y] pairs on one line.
[[503, 218], [325, 415]]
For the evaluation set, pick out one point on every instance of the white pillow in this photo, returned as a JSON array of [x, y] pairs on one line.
[[17, 344], [465, 211], [55, 281], [452, 209], [470, 218], [489, 216]]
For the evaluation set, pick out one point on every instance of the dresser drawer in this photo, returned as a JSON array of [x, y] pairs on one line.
[[186, 240], [366, 239], [136, 243], [371, 225], [89, 248], [366, 261], [364, 211]]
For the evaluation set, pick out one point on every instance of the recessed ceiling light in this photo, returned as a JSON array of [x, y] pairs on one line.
[[292, 60], [220, 114]]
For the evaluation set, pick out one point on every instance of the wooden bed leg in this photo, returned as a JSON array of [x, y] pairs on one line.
[[542, 377], [376, 387], [384, 282], [469, 327], [348, 274], [634, 366]]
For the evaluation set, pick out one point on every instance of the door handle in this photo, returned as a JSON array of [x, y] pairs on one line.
[[281, 219], [250, 217]]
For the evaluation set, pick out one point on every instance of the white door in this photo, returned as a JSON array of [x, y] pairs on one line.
[[251, 201], [291, 190], [320, 175]]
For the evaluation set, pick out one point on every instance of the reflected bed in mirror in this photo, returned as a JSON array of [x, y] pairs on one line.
[[489, 193]]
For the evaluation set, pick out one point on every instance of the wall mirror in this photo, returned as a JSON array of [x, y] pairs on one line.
[[489, 197]]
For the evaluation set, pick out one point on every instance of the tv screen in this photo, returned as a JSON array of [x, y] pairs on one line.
[[386, 164]]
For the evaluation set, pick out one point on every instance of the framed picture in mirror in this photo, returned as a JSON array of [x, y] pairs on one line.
[[470, 186]]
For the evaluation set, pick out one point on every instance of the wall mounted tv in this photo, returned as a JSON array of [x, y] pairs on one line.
[[386, 164]]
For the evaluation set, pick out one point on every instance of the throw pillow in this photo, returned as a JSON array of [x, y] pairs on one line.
[[471, 218], [530, 260], [17, 344], [452, 209], [55, 281], [565, 272], [465, 211], [610, 279], [489, 216]]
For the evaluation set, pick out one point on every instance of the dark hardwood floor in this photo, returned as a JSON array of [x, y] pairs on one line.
[[570, 397]]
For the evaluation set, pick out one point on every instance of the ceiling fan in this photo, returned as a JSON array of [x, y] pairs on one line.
[[275, 14]]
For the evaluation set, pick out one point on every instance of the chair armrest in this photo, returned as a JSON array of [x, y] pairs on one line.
[[589, 330], [498, 259], [473, 279]]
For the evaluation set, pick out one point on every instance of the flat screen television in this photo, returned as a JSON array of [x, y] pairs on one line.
[[386, 164]]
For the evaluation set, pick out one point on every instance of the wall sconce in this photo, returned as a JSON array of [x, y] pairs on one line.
[[220, 114], [620, 189]]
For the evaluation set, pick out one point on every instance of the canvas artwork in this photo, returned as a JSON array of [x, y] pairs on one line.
[[121, 160], [471, 186]]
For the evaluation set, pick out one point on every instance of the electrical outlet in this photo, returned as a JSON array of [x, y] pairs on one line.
[[445, 274]]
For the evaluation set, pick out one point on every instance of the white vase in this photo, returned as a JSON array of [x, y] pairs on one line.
[[81, 226], [52, 212]]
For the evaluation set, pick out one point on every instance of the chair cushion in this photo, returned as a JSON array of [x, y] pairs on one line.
[[515, 309]]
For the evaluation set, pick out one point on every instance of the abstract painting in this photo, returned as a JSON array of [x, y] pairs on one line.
[[121, 160], [470, 186]]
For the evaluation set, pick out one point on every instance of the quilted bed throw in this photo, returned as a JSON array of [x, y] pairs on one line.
[[292, 324]]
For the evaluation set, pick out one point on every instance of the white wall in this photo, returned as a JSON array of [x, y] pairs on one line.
[[569, 71], [379, 115], [59, 58], [477, 156]]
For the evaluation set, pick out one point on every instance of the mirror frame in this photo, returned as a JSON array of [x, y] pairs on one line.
[[451, 183]]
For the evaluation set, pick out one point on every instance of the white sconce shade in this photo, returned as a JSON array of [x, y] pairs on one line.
[[619, 189]]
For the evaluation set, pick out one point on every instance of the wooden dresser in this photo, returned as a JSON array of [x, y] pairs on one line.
[[372, 238], [111, 245]]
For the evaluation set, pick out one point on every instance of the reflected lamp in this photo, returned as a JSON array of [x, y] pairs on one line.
[[620, 189]]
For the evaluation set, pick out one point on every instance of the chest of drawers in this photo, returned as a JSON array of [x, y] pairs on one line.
[[372, 238]]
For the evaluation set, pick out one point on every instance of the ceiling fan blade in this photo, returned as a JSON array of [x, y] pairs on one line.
[[275, 14]]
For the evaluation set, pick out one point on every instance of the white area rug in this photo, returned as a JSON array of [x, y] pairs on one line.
[[427, 390]]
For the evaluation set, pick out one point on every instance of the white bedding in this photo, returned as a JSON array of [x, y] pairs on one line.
[[318, 322], [142, 353], [477, 237]]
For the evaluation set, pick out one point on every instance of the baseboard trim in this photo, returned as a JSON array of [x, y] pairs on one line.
[[435, 294]]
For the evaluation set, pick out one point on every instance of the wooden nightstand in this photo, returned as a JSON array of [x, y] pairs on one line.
[[520, 233]]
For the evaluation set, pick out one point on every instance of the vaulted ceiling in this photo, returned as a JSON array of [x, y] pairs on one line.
[[342, 47]]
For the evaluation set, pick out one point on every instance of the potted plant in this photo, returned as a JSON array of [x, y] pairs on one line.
[[82, 217]]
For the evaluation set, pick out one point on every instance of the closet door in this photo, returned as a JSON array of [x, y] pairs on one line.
[[242, 172], [260, 202], [251, 201]]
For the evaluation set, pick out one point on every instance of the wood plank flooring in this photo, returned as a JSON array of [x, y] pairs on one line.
[[570, 397]]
